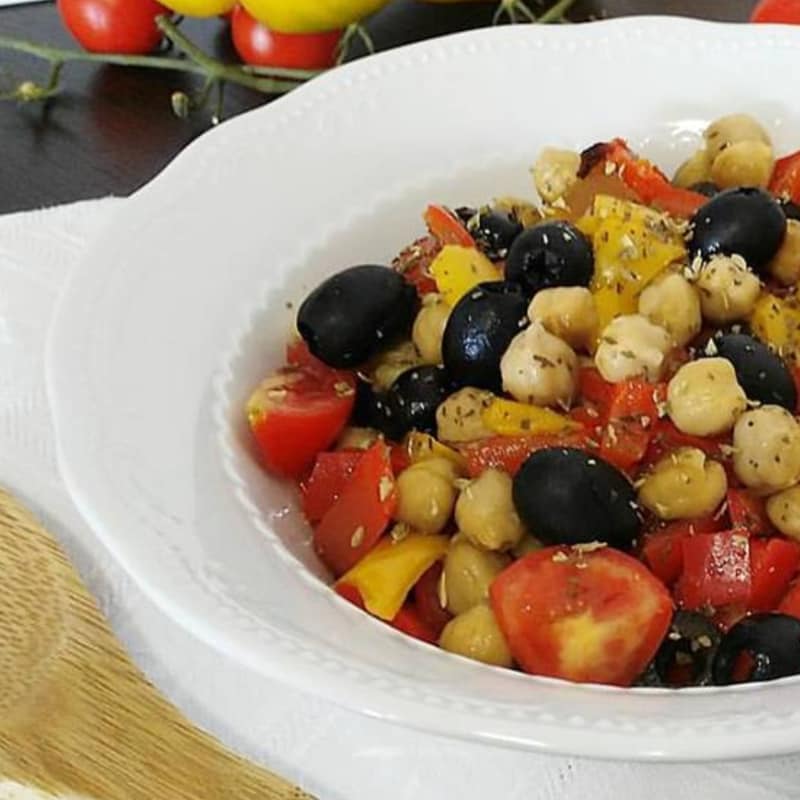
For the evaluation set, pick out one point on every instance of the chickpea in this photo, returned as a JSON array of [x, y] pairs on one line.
[[683, 485], [353, 438], [783, 510], [392, 364], [728, 289], [485, 512], [748, 163], [704, 398], [429, 328], [694, 170], [468, 573], [458, 418], [672, 303], [766, 444], [567, 312], [426, 495], [630, 347], [731, 129], [475, 634], [785, 267], [540, 368], [555, 172]]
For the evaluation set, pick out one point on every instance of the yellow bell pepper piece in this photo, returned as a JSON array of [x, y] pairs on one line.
[[776, 321], [632, 244], [509, 418], [423, 446], [386, 575], [458, 270]]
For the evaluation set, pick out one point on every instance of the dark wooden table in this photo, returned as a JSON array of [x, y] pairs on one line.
[[111, 129]]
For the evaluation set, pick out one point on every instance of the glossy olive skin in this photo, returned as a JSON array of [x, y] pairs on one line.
[[707, 188], [567, 496], [762, 374], [746, 222], [550, 254], [494, 232], [691, 637], [771, 640], [479, 331], [413, 398], [369, 410], [355, 314]]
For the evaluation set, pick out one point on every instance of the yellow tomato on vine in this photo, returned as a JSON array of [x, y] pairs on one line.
[[310, 16], [200, 8]]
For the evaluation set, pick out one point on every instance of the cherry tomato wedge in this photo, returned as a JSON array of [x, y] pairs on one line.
[[749, 512], [297, 413], [256, 44], [584, 616], [785, 182], [446, 227], [716, 570], [329, 478], [773, 564], [778, 11], [113, 26], [662, 549], [426, 600], [355, 522]]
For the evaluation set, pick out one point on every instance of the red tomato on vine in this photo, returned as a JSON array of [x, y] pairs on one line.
[[113, 26], [259, 46]]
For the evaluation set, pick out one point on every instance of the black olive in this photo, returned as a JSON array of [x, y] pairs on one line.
[[494, 232], [479, 331], [370, 410], [692, 640], [567, 496], [790, 209], [355, 314], [772, 641], [707, 188], [413, 398], [550, 254], [745, 222], [762, 374]]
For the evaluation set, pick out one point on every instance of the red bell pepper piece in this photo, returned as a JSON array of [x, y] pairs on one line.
[[355, 522], [426, 600], [414, 264], [662, 548], [595, 390], [632, 415], [716, 570], [330, 476], [773, 564], [666, 438], [748, 512], [791, 601], [446, 227], [785, 181], [650, 185]]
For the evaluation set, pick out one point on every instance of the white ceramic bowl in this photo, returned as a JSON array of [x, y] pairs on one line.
[[182, 305]]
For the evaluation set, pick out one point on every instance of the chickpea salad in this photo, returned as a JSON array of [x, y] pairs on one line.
[[562, 437]]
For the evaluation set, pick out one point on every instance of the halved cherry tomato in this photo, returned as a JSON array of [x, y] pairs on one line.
[[256, 44], [584, 616], [780, 11], [651, 186], [297, 413], [414, 263], [510, 452], [408, 619], [330, 476], [773, 564], [716, 570], [446, 227], [632, 416], [113, 26], [355, 522], [662, 548], [791, 601], [748, 512], [785, 182], [426, 600]]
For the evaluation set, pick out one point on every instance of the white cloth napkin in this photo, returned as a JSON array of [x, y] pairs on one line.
[[337, 754]]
